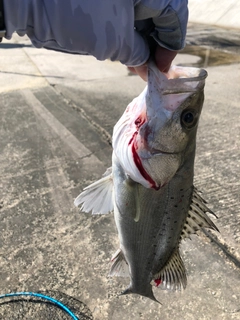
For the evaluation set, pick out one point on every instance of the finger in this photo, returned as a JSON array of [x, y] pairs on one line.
[[164, 58], [140, 70]]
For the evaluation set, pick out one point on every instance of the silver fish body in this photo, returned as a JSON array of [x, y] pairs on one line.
[[149, 243], [150, 187]]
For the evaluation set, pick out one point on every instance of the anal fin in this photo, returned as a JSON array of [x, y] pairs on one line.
[[98, 196], [173, 275], [119, 267]]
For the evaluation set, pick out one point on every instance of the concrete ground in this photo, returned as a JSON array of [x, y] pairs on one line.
[[224, 13], [57, 115]]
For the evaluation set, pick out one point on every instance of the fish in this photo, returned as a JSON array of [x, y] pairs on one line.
[[149, 187]]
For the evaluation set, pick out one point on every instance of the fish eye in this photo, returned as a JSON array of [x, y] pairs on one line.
[[189, 118]]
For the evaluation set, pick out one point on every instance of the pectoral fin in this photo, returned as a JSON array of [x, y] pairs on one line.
[[173, 275], [97, 197]]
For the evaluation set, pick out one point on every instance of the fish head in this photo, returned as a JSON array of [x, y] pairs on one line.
[[157, 132]]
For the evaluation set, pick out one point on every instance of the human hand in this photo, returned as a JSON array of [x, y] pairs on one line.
[[164, 30], [163, 59], [109, 29]]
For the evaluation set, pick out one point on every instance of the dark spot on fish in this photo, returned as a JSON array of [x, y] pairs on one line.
[[181, 189], [175, 221], [182, 195], [172, 198], [176, 206]]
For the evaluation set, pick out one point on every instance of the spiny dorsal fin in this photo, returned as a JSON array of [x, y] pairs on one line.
[[98, 196], [197, 217], [173, 275], [119, 267]]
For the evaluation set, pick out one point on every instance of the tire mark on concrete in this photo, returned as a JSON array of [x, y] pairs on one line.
[[101, 131], [65, 135]]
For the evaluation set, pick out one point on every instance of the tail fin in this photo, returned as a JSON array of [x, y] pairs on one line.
[[147, 293]]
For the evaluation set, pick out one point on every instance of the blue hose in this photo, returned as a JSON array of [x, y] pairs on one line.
[[42, 296]]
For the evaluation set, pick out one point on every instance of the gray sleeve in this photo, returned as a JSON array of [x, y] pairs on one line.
[[168, 19], [102, 28]]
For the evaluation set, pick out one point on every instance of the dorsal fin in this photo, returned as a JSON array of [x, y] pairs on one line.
[[173, 275], [98, 196], [197, 217], [119, 267]]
